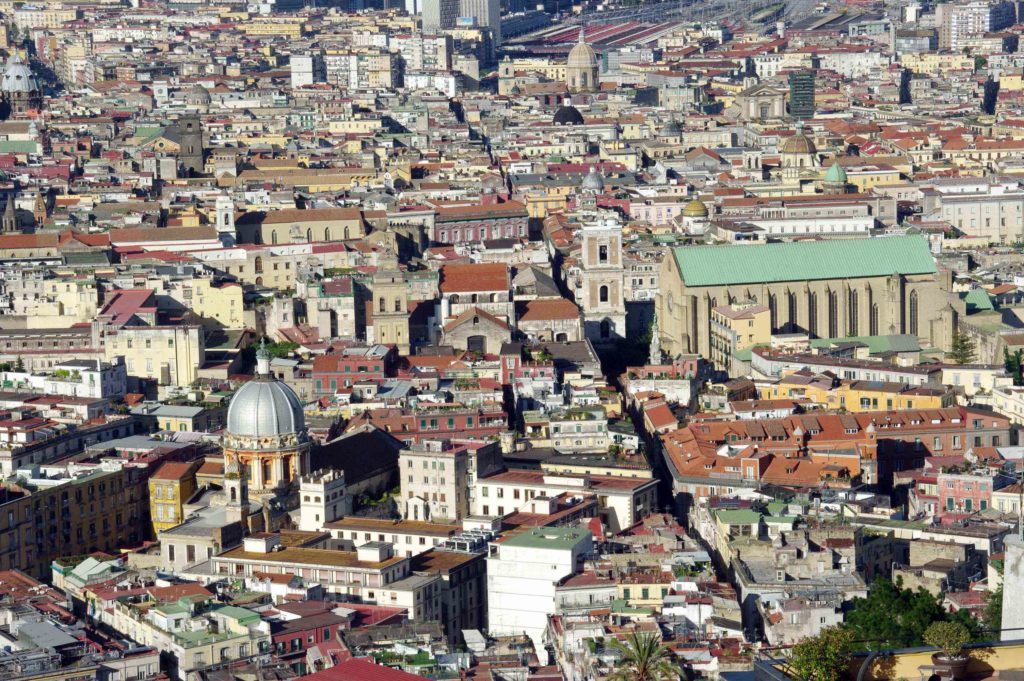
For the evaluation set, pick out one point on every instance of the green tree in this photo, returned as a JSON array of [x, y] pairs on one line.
[[949, 637], [282, 349], [894, 617], [643, 658], [964, 350], [992, 617], [824, 657]]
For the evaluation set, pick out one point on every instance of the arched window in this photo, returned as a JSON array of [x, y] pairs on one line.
[[912, 317], [773, 311], [454, 299], [309, 234], [602, 294], [873, 320], [606, 328], [259, 265], [346, 233], [791, 310], [327, 233], [852, 312], [381, 305], [273, 237], [812, 313], [833, 314], [476, 320], [602, 253]]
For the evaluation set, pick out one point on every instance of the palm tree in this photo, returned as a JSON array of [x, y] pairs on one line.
[[643, 659]]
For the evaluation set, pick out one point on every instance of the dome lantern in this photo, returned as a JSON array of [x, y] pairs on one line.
[[581, 67]]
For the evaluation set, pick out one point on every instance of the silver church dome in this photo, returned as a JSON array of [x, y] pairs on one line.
[[264, 406], [18, 77], [593, 181]]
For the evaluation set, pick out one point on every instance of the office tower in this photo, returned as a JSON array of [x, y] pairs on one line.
[[484, 13], [439, 14], [801, 94]]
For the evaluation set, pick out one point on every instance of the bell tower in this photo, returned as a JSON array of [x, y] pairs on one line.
[[601, 297], [9, 221], [225, 209], [391, 310], [236, 491], [191, 150]]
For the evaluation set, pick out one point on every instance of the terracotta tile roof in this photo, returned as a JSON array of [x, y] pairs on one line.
[[173, 470], [545, 310], [152, 234], [41, 240], [458, 278]]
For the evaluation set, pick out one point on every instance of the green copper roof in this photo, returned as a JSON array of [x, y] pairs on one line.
[[18, 147], [559, 538], [803, 261], [740, 516], [977, 300], [836, 174]]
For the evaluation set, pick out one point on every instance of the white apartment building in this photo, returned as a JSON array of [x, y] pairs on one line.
[[576, 431], [958, 21], [437, 477], [993, 211], [424, 52], [622, 501], [307, 69], [523, 572], [92, 378]]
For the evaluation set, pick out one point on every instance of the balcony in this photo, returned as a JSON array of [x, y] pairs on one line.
[[986, 660]]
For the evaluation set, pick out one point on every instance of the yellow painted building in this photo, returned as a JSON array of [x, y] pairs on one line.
[[645, 590], [868, 177], [169, 488], [934, 63], [356, 126], [737, 327], [856, 396], [216, 306], [171, 355], [291, 27], [540, 203]]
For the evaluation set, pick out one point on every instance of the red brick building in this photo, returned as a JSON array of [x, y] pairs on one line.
[[340, 370], [440, 422]]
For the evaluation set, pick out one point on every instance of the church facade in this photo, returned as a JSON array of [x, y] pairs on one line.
[[827, 289]]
